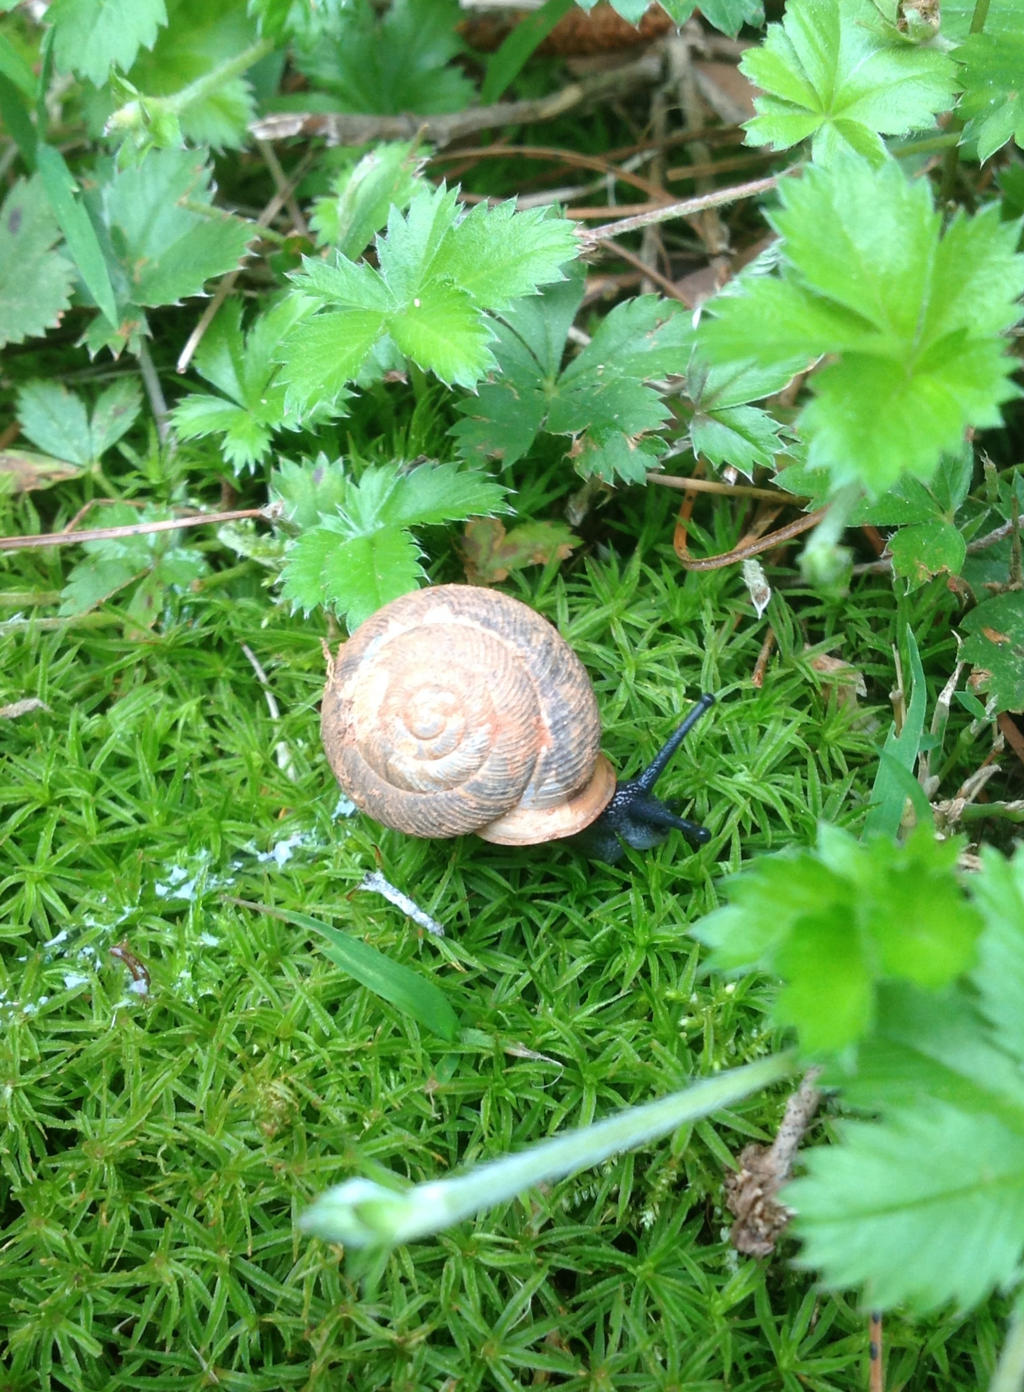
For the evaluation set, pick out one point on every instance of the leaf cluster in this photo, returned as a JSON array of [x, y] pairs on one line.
[[912, 993]]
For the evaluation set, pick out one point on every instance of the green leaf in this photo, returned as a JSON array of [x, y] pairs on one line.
[[724, 428], [601, 400], [355, 575], [992, 104], [78, 230], [922, 551], [92, 36], [364, 556], [202, 37], [504, 417], [391, 63], [911, 319], [831, 72], [442, 332], [55, 420], [837, 922], [163, 237], [931, 1044], [310, 492], [497, 255], [998, 892], [729, 16], [431, 296], [362, 197], [321, 354], [242, 367], [504, 66], [899, 753], [116, 411], [931, 1182], [428, 494], [411, 992], [995, 644], [92, 582], [35, 279]]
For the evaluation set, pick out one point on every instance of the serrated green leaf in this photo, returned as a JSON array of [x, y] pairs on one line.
[[310, 491], [729, 16], [344, 284], [837, 922], [246, 440], [115, 412], [601, 399], [743, 436], [92, 582], [321, 354], [200, 39], [166, 247], [914, 318], [426, 495], [932, 1181], [497, 254], [995, 644], [398, 61], [504, 416], [408, 254], [353, 575], [55, 420], [992, 103], [442, 332], [242, 366], [92, 36], [924, 550], [998, 892], [931, 1044], [35, 279], [830, 71]]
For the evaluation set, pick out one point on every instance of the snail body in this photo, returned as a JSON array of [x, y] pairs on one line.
[[457, 709]]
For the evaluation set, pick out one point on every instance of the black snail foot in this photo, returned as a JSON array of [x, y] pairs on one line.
[[635, 816]]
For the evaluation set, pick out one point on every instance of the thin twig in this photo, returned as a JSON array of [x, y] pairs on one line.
[[739, 490], [202, 519], [754, 547], [340, 128], [686, 208]]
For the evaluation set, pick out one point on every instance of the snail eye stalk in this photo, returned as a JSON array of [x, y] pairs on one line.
[[638, 818]]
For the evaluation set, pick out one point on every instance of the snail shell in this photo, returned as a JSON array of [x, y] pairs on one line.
[[458, 709]]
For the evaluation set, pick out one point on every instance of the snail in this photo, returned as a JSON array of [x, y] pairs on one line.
[[457, 709]]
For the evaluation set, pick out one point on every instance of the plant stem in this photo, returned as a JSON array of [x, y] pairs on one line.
[[1009, 1373], [210, 83], [362, 1213]]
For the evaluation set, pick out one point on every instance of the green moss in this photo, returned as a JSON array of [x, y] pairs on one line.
[[160, 1134]]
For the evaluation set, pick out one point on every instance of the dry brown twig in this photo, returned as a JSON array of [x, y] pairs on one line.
[[751, 1190]]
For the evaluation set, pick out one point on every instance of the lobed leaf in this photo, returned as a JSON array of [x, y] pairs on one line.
[[886, 1207], [35, 278], [912, 320], [92, 36], [837, 922], [830, 71]]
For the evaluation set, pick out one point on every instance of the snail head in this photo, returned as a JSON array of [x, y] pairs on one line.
[[636, 817]]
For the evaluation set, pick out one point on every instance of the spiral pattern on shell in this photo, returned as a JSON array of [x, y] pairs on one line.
[[457, 709]]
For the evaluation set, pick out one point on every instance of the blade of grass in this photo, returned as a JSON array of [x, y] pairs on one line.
[[899, 753], [81, 238], [393, 982]]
